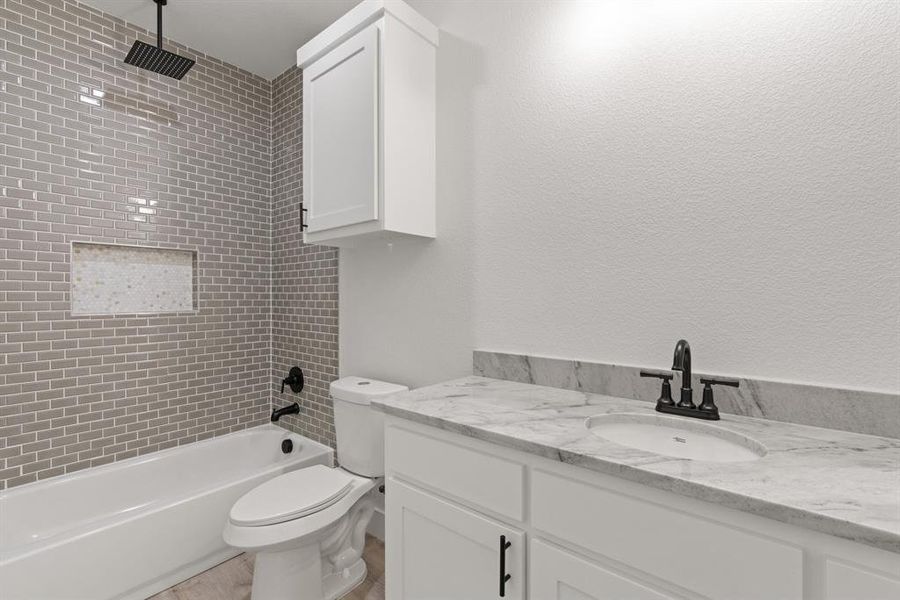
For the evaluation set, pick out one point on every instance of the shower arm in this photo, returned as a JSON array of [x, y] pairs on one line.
[[159, 5]]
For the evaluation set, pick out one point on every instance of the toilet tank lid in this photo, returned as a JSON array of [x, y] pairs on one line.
[[362, 390]]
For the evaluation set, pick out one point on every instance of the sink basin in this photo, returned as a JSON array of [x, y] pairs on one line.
[[675, 437]]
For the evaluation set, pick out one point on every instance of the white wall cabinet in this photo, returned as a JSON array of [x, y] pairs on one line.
[[369, 127], [591, 536], [340, 115]]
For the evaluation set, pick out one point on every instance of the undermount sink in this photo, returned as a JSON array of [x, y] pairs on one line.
[[675, 437]]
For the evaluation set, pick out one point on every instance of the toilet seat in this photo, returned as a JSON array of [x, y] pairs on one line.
[[298, 528], [291, 496]]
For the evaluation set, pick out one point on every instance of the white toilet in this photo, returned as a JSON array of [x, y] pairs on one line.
[[308, 527]]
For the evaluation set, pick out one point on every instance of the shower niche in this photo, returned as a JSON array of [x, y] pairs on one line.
[[112, 279]]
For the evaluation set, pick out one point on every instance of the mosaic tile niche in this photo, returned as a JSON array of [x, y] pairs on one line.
[[111, 279]]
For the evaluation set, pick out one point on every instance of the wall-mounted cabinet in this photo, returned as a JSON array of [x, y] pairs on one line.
[[368, 127]]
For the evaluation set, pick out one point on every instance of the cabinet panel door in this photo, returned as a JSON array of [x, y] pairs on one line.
[[725, 561], [468, 474], [846, 582], [437, 550], [340, 134], [559, 575]]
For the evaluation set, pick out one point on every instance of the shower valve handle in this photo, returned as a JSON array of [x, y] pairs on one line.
[[294, 380]]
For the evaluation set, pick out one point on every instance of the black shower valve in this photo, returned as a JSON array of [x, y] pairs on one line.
[[294, 380]]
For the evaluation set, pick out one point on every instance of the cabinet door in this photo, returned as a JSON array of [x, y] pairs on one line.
[[559, 575], [847, 582], [437, 550], [340, 134]]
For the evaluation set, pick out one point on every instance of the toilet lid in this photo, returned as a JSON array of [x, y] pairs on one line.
[[291, 496]]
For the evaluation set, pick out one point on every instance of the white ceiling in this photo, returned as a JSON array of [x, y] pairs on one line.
[[261, 36]]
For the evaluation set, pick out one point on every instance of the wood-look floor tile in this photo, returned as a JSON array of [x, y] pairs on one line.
[[232, 579], [372, 588]]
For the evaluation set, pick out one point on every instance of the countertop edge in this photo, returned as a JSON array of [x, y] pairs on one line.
[[853, 532]]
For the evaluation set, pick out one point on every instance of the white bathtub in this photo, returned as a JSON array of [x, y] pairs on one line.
[[135, 527]]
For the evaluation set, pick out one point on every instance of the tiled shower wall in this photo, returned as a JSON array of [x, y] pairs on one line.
[[304, 278], [94, 150]]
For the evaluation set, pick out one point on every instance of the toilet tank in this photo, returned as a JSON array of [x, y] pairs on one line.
[[359, 428]]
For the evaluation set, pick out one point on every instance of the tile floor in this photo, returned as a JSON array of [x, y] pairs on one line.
[[232, 579]]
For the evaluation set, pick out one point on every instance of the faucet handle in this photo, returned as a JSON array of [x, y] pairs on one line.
[[717, 381], [294, 380], [665, 394], [708, 404], [665, 376]]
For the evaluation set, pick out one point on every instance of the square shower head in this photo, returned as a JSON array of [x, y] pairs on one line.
[[160, 61]]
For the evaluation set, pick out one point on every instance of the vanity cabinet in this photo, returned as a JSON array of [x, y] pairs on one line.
[[588, 535], [456, 550], [559, 575], [848, 582], [369, 127], [689, 550]]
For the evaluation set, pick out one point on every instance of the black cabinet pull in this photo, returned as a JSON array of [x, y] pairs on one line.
[[504, 576], [302, 224]]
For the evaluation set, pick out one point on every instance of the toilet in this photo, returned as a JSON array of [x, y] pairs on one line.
[[308, 527]]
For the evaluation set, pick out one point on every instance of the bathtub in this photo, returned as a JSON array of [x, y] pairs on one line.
[[132, 528]]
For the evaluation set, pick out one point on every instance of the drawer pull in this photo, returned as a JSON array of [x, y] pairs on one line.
[[504, 576]]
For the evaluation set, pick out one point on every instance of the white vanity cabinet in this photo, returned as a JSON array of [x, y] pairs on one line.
[[581, 535], [369, 127], [559, 575], [457, 550], [849, 582]]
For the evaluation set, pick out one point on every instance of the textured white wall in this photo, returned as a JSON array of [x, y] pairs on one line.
[[615, 176]]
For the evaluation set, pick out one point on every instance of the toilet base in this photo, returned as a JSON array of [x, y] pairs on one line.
[[296, 574], [337, 585]]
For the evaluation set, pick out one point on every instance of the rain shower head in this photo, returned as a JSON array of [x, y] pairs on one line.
[[154, 58]]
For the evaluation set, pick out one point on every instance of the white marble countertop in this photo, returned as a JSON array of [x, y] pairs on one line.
[[839, 483]]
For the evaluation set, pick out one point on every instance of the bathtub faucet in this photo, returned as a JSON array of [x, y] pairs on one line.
[[292, 409]]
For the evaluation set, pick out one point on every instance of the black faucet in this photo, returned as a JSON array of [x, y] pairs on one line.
[[682, 362], [291, 409], [686, 407]]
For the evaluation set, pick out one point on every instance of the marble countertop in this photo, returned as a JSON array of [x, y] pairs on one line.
[[838, 483]]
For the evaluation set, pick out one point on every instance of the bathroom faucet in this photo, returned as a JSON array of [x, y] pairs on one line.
[[682, 362], [686, 407]]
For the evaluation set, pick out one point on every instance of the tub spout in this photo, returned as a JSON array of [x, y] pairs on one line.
[[292, 409]]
